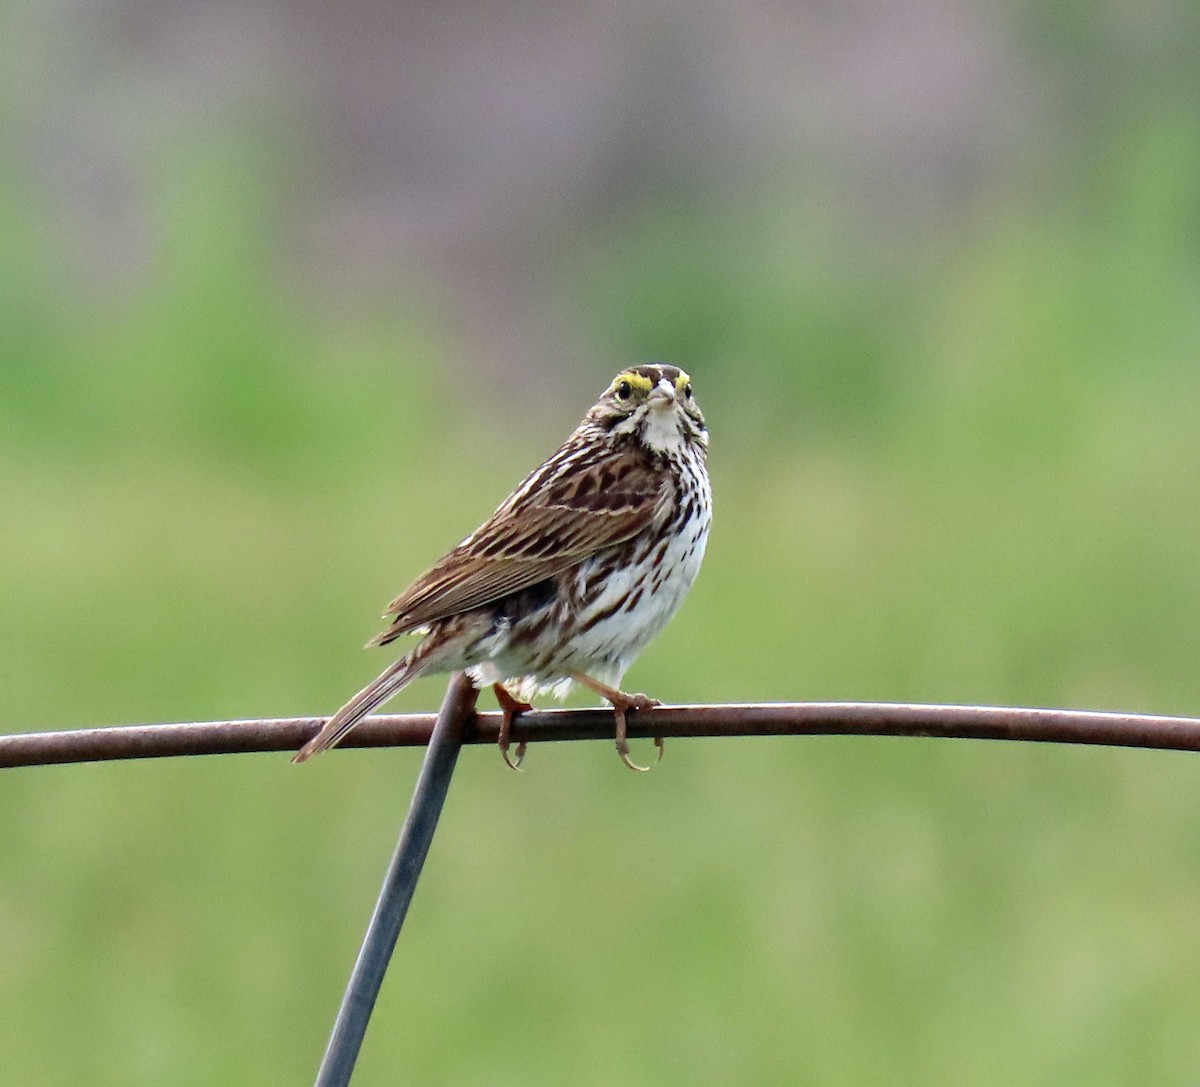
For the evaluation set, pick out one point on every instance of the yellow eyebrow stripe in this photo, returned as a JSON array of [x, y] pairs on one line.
[[638, 381], [682, 380]]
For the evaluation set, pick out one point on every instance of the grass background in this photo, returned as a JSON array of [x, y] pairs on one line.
[[956, 465]]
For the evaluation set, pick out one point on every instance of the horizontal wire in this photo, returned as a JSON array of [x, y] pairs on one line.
[[769, 719]]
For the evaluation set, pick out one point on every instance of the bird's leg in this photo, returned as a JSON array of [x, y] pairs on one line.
[[510, 707], [622, 703]]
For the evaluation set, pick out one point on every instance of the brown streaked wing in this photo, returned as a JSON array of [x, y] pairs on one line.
[[570, 517]]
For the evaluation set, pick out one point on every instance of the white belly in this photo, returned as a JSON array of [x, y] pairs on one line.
[[612, 644], [622, 615]]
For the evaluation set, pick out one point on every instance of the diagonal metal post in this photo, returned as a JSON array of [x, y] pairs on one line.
[[341, 1054]]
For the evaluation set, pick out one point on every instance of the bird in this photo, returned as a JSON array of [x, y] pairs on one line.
[[573, 575]]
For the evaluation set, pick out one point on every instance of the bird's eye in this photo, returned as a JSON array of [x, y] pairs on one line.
[[624, 390], [687, 391]]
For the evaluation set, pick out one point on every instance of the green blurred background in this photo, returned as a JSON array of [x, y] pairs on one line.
[[291, 294]]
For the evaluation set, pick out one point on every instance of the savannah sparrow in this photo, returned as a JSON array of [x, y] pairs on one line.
[[576, 571]]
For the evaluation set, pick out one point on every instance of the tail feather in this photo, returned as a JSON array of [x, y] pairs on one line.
[[374, 694]]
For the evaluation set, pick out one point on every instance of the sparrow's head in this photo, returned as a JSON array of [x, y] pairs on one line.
[[656, 405]]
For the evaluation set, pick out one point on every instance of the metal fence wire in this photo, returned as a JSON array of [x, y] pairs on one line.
[[457, 723], [546, 726]]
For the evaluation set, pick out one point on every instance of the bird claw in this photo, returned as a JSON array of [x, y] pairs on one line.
[[622, 706], [511, 763], [511, 708], [624, 757]]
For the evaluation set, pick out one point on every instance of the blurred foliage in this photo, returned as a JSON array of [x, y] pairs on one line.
[[956, 468]]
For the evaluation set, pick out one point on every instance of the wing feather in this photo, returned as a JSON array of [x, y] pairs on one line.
[[596, 498]]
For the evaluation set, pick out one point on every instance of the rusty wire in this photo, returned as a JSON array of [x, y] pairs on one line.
[[457, 723], [770, 719]]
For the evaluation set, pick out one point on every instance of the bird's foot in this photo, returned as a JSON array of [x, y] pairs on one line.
[[627, 703], [510, 708], [622, 704]]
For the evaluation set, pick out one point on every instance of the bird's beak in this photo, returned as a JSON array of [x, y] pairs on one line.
[[662, 396]]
